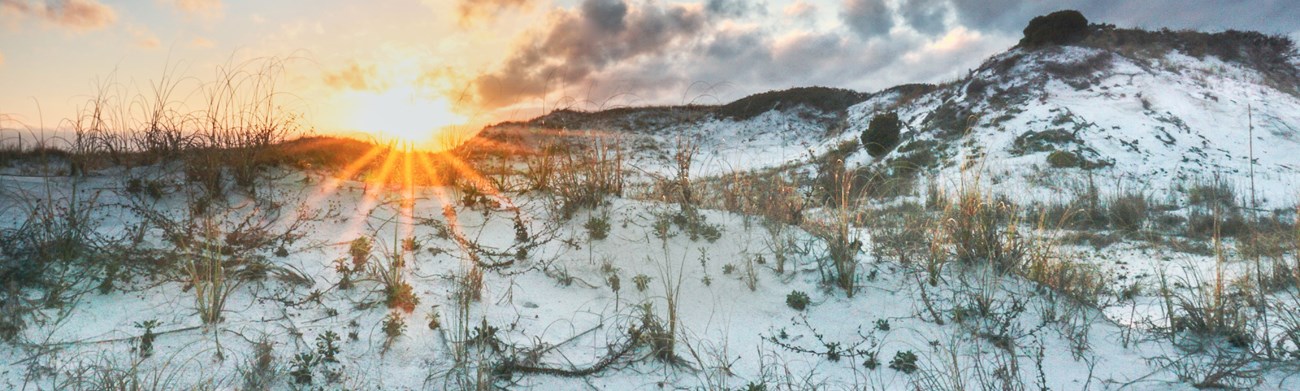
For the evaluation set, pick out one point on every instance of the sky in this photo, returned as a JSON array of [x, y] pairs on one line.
[[416, 65]]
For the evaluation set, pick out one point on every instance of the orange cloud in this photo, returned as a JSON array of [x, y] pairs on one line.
[[354, 77], [799, 9], [78, 15], [203, 8], [143, 37], [471, 10], [200, 42]]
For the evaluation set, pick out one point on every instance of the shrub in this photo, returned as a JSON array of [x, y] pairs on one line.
[[360, 249], [1057, 28], [302, 367], [797, 300], [145, 348], [904, 361], [1128, 212], [400, 295], [597, 227], [642, 282], [327, 346], [882, 134], [394, 325]]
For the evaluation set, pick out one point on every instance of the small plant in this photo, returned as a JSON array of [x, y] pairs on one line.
[[207, 273], [394, 325], [360, 252], [728, 269], [411, 245], [485, 335], [597, 227], [327, 346], [663, 226], [301, 368], [434, 321], [904, 361], [797, 300], [145, 348], [259, 373], [882, 324], [871, 363], [613, 282], [401, 296], [642, 282]]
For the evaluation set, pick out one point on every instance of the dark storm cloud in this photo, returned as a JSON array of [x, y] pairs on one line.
[[735, 8], [926, 16], [577, 44], [867, 18], [607, 15]]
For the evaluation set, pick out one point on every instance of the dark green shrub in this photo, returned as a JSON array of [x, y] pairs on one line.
[[597, 227], [904, 361], [1057, 28], [797, 300], [882, 134]]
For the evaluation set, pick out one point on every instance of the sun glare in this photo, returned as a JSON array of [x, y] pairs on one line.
[[403, 114]]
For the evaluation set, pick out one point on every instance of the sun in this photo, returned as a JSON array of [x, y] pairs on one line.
[[404, 114]]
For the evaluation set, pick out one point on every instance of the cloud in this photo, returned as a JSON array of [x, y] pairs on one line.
[[202, 8], [472, 10], [143, 37], [77, 15], [577, 44], [735, 8], [799, 9], [200, 42], [609, 53], [867, 18], [926, 16], [355, 77], [2, 59]]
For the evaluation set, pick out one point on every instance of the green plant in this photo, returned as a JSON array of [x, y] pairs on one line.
[[145, 347], [1057, 28], [797, 300], [904, 361], [401, 295], [597, 227], [642, 282], [485, 335], [434, 321], [360, 249], [301, 368], [394, 325], [327, 346]]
